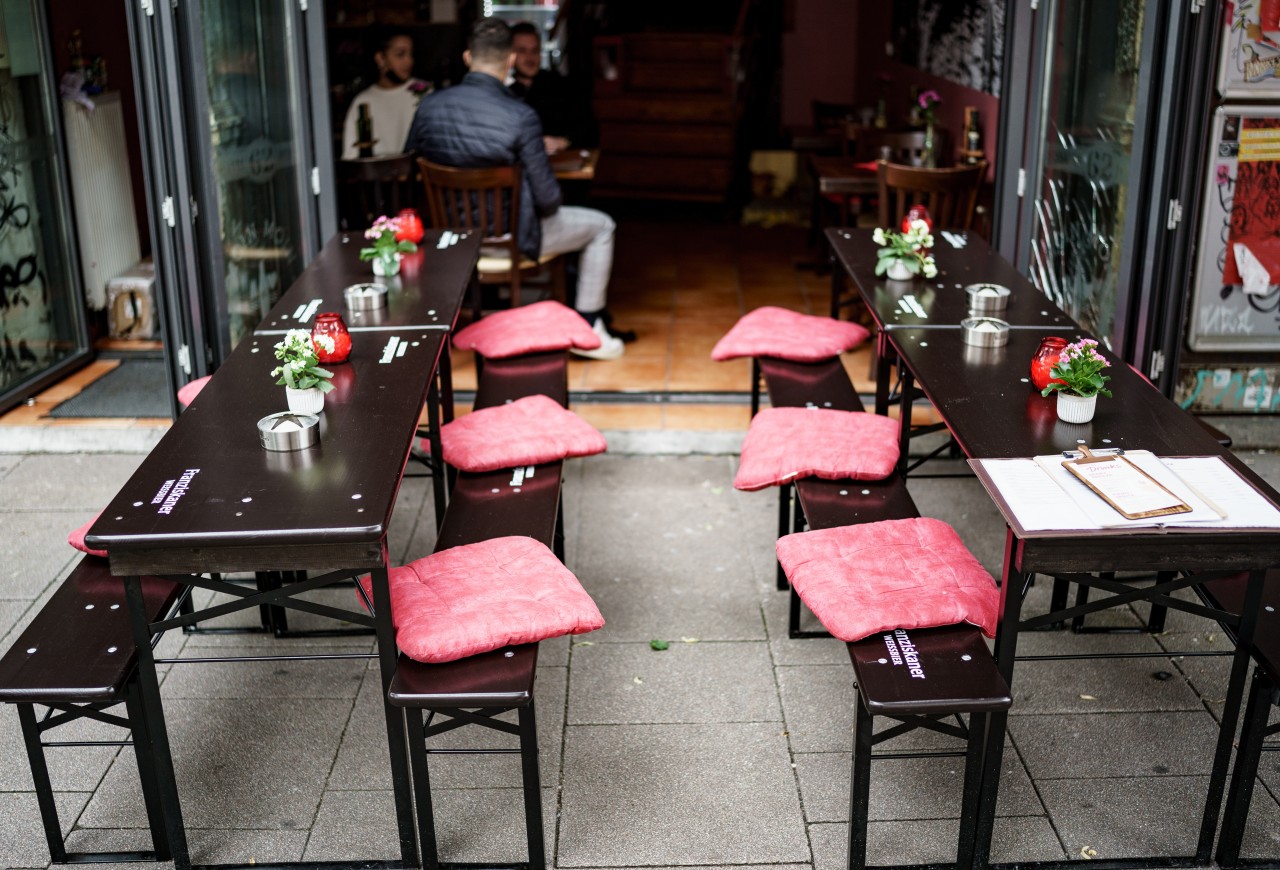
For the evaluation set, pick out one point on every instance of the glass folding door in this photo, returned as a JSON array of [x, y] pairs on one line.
[[42, 329]]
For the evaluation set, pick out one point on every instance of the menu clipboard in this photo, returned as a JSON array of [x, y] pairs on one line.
[[1131, 491]]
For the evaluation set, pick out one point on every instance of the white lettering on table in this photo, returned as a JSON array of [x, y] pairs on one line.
[[178, 490], [310, 310], [389, 352], [164, 490], [909, 654]]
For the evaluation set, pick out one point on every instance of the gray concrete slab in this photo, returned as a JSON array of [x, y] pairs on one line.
[[84, 483], [71, 768], [618, 683], [1108, 745], [1097, 686], [34, 551], [334, 678], [1014, 838], [670, 603], [8, 462], [926, 788], [818, 705], [1125, 818], [21, 830], [630, 792], [246, 764]]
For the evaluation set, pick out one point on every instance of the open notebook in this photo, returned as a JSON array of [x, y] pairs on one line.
[[1044, 496]]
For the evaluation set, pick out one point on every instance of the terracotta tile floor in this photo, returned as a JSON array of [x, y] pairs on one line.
[[679, 286]]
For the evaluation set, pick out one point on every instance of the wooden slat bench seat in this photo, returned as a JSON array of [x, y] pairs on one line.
[[478, 689], [959, 674], [78, 659]]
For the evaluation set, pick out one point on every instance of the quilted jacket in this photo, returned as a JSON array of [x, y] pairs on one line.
[[478, 122]]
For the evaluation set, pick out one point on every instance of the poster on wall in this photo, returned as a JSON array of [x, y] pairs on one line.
[[1235, 299], [960, 40], [1250, 55]]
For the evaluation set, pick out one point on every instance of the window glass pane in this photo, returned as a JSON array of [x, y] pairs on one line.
[[252, 96]]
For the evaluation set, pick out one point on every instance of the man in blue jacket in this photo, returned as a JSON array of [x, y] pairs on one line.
[[478, 122]]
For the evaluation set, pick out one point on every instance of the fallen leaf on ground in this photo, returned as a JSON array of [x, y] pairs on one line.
[[689, 640], [1087, 698], [1088, 852], [637, 681], [584, 643], [658, 644]]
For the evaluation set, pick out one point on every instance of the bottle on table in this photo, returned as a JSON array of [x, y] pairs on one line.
[[364, 132]]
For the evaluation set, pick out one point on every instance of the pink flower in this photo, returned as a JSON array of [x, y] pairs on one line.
[[929, 99]]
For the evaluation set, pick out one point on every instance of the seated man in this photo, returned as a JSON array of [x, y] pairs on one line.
[[479, 122], [565, 121], [390, 101]]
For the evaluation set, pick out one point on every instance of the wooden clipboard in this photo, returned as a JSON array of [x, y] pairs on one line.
[[1133, 493]]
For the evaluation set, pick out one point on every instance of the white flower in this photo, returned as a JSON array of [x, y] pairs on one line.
[[878, 236], [930, 270], [325, 342], [920, 228]]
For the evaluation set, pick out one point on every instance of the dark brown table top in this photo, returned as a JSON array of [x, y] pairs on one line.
[[843, 175], [427, 291], [942, 299]]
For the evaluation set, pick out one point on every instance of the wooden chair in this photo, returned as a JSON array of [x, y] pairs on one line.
[[905, 147], [950, 195], [487, 200], [375, 186]]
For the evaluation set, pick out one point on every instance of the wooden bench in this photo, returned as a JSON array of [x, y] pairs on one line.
[[960, 674], [478, 689], [1229, 594], [77, 658]]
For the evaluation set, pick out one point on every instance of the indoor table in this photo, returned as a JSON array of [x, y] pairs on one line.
[[575, 164], [210, 500]]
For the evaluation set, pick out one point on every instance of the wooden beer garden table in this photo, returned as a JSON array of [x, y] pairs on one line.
[[210, 500]]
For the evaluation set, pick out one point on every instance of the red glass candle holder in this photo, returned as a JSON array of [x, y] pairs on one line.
[[330, 323], [1046, 357], [917, 213]]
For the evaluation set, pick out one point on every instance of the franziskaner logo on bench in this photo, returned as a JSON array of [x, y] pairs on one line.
[[168, 495]]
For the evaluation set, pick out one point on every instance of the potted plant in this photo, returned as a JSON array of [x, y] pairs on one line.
[[928, 102], [388, 242], [904, 255], [304, 382], [1078, 381]]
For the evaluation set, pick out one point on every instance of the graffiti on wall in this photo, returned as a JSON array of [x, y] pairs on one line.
[[960, 40], [1243, 389]]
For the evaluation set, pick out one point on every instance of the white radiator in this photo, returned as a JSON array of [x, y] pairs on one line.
[[102, 193]]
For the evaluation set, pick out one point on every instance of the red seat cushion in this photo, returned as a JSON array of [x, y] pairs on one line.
[[784, 444], [188, 392], [528, 431], [542, 326], [777, 332], [479, 597], [76, 538], [915, 573]]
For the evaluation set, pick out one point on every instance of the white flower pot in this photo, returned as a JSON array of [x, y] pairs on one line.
[[385, 269], [899, 271], [1076, 409], [310, 401]]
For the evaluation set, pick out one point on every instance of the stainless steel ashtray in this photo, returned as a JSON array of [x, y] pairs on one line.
[[285, 431], [365, 297], [987, 298], [985, 331]]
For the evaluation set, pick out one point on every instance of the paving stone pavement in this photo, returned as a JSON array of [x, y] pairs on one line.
[[730, 749]]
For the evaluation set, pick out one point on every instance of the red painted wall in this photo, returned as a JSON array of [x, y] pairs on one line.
[[104, 30], [818, 56], [879, 76]]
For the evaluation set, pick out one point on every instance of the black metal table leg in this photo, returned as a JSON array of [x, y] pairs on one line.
[[884, 362], [1256, 715], [438, 485], [397, 744], [154, 732]]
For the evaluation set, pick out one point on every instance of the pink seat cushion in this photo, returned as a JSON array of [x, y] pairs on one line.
[[542, 326], [772, 331], [187, 394], [76, 538], [479, 597], [784, 444], [863, 579], [528, 431]]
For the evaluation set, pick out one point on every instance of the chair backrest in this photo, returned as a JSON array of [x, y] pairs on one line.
[[375, 186], [950, 195], [486, 200], [904, 147]]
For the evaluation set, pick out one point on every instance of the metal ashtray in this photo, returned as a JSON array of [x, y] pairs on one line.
[[285, 431], [985, 331], [987, 298], [365, 297]]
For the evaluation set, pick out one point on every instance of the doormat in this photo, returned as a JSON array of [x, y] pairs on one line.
[[135, 388]]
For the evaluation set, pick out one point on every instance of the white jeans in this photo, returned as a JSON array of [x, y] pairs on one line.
[[573, 228]]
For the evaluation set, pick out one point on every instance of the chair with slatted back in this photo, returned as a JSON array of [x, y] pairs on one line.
[[950, 195], [487, 200], [905, 147], [375, 186]]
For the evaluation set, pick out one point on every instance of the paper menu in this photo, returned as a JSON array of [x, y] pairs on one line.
[[1105, 516], [1043, 496]]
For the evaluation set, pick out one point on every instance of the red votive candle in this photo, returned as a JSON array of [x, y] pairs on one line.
[[330, 323], [1045, 359]]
